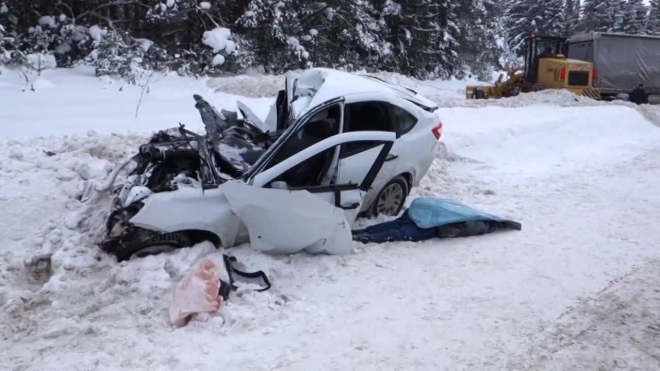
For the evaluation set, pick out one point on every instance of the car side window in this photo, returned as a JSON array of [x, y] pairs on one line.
[[404, 121], [308, 173], [318, 170], [321, 126], [365, 116]]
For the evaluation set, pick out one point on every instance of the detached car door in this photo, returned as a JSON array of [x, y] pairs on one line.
[[288, 220]]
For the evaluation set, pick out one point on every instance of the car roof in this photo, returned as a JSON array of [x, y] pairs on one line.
[[318, 85]]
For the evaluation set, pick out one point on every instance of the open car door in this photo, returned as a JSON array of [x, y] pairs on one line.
[[316, 219]]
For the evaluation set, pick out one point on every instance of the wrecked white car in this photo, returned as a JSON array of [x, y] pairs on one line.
[[356, 142]]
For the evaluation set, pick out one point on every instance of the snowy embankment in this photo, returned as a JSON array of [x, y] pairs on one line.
[[581, 178]]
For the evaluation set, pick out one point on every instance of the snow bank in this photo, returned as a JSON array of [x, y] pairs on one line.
[[78, 102], [41, 61], [269, 85]]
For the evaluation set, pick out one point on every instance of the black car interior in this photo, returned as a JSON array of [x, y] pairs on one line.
[[311, 171]]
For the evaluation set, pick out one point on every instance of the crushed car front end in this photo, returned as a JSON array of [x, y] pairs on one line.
[[178, 169]]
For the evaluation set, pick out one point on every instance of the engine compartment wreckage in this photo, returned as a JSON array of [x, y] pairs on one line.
[[296, 182]]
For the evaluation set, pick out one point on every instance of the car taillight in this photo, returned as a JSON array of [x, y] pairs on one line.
[[437, 130], [562, 73]]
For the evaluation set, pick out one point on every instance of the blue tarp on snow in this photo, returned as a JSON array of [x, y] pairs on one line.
[[429, 212]]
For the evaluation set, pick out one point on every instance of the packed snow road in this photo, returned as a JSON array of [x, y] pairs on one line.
[[581, 180]]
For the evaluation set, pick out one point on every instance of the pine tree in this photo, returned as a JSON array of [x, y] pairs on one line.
[[358, 27], [554, 21], [530, 16], [634, 17], [423, 38], [479, 35], [653, 23], [571, 16], [275, 27], [600, 15], [619, 17]]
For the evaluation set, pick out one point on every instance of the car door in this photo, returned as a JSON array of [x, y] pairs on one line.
[[348, 195], [288, 220], [360, 116]]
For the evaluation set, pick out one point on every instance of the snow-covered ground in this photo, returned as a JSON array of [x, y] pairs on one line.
[[574, 290]]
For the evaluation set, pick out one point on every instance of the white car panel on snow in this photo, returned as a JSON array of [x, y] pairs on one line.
[[287, 222]]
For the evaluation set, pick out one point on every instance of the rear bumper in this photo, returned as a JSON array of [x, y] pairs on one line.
[[423, 168], [586, 92]]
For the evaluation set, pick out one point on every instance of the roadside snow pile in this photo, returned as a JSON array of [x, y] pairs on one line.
[[268, 85], [561, 98], [55, 283], [256, 86], [75, 101]]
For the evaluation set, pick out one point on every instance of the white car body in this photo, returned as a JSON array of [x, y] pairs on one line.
[[350, 179]]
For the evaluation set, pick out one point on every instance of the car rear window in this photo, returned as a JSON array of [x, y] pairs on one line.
[[578, 78], [403, 120]]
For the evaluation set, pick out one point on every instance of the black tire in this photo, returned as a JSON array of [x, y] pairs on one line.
[[391, 198], [151, 243]]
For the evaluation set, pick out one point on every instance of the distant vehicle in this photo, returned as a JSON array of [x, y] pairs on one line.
[[621, 61], [357, 142], [546, 67]]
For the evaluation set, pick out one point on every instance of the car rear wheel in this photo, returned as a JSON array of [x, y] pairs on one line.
[[391, 198]]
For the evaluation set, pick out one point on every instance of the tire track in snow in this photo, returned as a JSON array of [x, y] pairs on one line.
[[618, 328]]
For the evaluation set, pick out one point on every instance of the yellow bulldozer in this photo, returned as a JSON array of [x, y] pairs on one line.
[[546, 67]]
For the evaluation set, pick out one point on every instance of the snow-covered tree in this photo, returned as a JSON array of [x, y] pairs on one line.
[[275, 26], [479, 35], [600, 15], [653, 23], [422, 37], [118, 54], [571, 16], [634, 17], [358, 27], [530, 16]]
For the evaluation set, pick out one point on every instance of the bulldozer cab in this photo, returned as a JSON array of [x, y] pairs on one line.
[[539, 47]]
